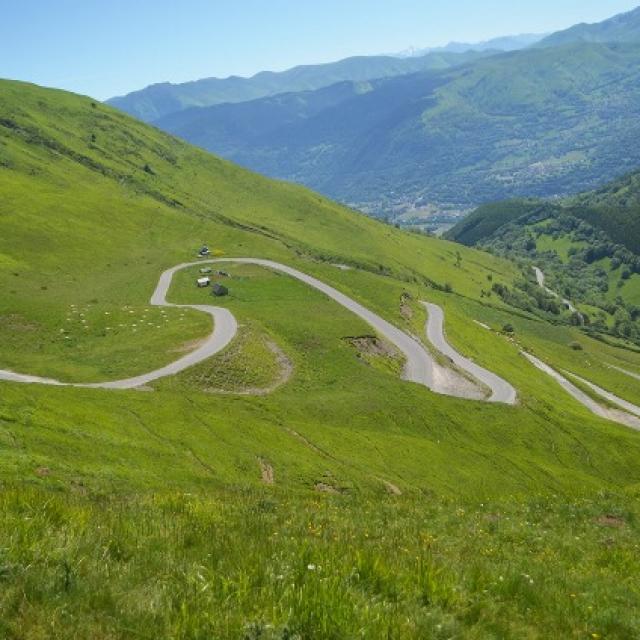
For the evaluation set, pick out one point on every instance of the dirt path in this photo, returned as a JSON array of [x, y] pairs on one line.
[[285, 372], [540, 278]]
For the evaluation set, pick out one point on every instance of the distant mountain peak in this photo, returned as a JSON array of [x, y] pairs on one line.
[[502, 43]]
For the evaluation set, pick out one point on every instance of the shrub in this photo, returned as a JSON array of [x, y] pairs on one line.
[[508, 328]]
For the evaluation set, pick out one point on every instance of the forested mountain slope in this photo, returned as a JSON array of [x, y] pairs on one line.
[[534, 122], [589, 246], [624, 27]]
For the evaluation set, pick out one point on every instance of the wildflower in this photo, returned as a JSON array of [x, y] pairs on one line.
[[311, 567]]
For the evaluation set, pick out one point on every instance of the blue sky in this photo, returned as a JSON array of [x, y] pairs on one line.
[[108, 47]]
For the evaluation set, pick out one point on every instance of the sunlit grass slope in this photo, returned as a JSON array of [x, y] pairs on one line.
[[256, 564], [94, 206]]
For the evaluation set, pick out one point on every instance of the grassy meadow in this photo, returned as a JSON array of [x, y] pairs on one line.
[[193, 509], [263, 564]]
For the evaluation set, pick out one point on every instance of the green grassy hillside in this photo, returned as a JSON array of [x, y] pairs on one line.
[[614, 208], [121, 508]]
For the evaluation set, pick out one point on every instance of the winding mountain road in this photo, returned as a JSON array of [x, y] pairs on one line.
[[225, 328], [501, 390], [540, 278], [595, 407], [419, 367], [625, 371], [607, 395], [628, 414]]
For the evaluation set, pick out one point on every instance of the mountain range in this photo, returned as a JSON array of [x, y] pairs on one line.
[[502, 43], [537, 122], [447, 131], [164, 99], [624, 27]]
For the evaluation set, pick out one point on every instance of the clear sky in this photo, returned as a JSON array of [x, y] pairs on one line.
[[109, 47]]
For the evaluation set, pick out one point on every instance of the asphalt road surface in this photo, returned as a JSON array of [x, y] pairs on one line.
[[419, 368]]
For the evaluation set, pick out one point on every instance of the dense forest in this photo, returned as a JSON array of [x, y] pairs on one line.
[[586, 245]]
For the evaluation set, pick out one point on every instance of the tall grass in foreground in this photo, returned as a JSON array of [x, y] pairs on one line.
[[261, 564]]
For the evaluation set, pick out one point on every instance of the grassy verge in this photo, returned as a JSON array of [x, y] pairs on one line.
[[253, 363]]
